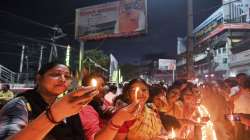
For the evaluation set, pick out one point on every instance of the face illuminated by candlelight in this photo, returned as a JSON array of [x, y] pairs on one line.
[[139, 92]]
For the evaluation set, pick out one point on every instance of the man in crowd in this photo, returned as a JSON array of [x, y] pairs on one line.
[[5, 94], [241, 106]]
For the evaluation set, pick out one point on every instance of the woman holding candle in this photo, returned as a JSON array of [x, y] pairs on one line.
[[147, 125], [199, 125], [37, 115]]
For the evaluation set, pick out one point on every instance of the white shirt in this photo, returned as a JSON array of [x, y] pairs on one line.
[[234, 91]]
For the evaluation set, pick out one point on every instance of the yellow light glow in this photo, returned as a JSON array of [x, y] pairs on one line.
[[199, 120], [173, 134], [93, 82], [236, 40], [136, 93], [208, 132]]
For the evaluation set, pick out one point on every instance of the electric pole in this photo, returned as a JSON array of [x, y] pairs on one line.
[[40, 58], [190, 26], [58, 33], [21, 63]]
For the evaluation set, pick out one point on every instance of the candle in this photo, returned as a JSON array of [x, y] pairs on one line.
[[199, 120], [173, 135], [136, 94], [93, 82]]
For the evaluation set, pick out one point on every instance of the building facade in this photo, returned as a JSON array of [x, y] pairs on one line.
[[220, 41]]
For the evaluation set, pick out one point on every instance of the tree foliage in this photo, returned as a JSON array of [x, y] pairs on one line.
[[129, 71], [98, 56]]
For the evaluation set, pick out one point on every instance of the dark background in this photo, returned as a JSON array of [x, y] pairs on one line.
[[166, 21]]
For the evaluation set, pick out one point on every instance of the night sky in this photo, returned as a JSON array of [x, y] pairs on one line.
[[166, 21]]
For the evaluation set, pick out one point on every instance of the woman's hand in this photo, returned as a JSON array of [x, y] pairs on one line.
[[191, 122], [244, 119], [125, 114], [205, 119], [71, 103]]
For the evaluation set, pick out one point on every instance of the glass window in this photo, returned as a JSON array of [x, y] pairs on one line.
[[224, 60], [219, 51], [224, 50]]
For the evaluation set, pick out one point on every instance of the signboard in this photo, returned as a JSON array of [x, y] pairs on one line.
[[167, 64], [113, 19]]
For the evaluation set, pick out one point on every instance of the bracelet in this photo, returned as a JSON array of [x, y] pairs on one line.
[[50, 116], [114, 126]]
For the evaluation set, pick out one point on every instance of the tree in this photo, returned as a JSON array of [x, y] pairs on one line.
[[129, 71], [98, 57]]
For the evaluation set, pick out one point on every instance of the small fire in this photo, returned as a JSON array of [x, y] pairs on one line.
[[198, 119], [173, 134], [93, 82], [207, 130], [136, 94]]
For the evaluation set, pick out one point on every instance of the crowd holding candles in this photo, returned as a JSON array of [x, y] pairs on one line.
[[136, 110]]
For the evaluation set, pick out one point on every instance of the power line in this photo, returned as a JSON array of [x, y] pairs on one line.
[[30, 21], [9, 44], [32, 39], [10, 53]]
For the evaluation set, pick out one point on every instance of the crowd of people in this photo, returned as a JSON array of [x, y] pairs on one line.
[[5, 94], [137, 110]]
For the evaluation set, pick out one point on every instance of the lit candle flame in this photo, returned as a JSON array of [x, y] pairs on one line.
[[136, 94], [231, 117], [198, 119], [93, 82], [207, 129], [173, 135]]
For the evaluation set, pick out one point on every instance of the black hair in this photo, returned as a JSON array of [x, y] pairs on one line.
[[112, 88], [179, 83], [154, 91], [241, 74], [246, 84], [188, 88], [231, 82], [49, 66], [172, 87], [126, 90], [6, 86]]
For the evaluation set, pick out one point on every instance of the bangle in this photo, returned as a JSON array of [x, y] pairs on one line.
[[114, 126], [50, 116]]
